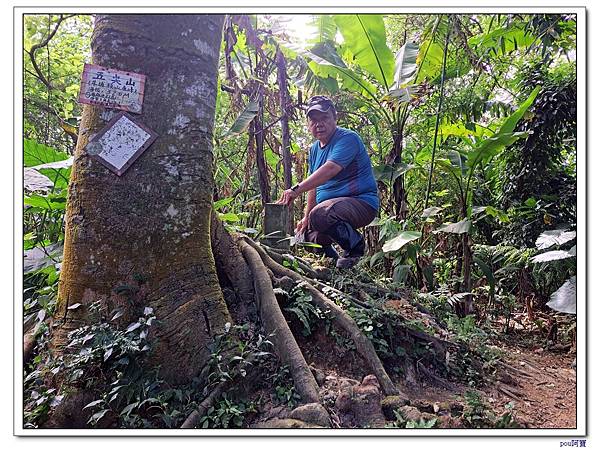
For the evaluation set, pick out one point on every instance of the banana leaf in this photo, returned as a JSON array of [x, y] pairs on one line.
[[364, 35]]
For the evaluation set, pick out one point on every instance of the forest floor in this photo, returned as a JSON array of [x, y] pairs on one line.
[[545, 394], [534, 382]]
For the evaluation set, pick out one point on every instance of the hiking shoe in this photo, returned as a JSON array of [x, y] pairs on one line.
[[330, 252], [347, 263]]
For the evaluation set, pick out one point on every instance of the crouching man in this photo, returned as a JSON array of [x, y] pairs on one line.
[[342, 192]]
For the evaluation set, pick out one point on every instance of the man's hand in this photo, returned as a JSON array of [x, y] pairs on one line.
[[287, 197], [302, 225]]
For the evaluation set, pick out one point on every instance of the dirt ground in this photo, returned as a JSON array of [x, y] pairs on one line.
[[544, 394], [540, 383], [537, 379]]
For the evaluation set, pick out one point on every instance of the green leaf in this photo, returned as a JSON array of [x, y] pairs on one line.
[[60, 177], [553, 255], [406, 65], [554, 237], [35, 154], [400, 240], [229, 217], [383, 172], [463, 130], [243, 120], [94, 403], [487, 271], [430, 212], [430, 59], [325, 62], [222, 203], [376, 258], [515, 36], [389, 174], [36, 258], [127, 410], [458, 160], [401, 273], [50, 202], [324, 28], [35, 181], [364, 35], [133, 326], [565, 298], [99, 415], [511, 122], [491, 146], [455, 228], [403, 95], [325, 53]]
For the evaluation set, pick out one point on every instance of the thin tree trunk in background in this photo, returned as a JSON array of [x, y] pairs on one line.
[[399, 199], [261, 165], [284, 103], [467, 260], [149, 228], [229, 43]]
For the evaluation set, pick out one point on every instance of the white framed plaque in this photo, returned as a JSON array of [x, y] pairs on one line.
[[112, 88], [120, 143]]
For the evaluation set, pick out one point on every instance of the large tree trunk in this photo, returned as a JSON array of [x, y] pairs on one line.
[[148, 230]]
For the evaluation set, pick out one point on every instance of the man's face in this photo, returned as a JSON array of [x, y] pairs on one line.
[[321, 124]]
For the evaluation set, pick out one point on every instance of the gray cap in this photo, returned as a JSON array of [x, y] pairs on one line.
[[319, 103]]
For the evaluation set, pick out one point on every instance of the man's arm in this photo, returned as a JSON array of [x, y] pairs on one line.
[[323, 174]]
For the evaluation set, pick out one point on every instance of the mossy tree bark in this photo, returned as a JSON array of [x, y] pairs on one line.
[[147, 231]]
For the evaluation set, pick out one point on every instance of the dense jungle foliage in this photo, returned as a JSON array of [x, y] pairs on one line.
[[470, 122]]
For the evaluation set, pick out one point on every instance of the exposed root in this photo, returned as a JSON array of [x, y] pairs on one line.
[[514, 369], [309, 271], [440, 345], [377, 288], [323, 287], [286, 346], [433, 377], [193, 420], [340, 317], [231, 265]]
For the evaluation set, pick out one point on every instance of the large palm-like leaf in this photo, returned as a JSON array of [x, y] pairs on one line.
[[326, 62], [324, 28], [429, 60], [364, 36], [400, 240], [504, 137], [406, 65], [243, 120], [35, 154], [502, 40], [565, 298], [554, 237]]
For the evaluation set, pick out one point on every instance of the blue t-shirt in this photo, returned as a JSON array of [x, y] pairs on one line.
[[356, 178]]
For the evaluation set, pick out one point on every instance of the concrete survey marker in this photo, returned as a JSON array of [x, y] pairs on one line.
[[275, 224], [112, 88], [120, 143]]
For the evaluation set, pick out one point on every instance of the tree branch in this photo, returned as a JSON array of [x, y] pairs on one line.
[[34, 48]]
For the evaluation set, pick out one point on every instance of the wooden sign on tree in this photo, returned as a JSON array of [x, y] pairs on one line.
[[112, 88]]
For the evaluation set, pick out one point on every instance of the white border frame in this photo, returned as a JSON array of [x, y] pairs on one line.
[[350, 6]]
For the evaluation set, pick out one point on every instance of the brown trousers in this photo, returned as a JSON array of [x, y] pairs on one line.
[[357, 213]]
